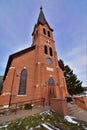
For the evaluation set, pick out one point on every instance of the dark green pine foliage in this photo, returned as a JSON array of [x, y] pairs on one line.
[[74, 85], [1, 84]]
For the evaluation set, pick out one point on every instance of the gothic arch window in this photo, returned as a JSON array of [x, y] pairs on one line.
[[45, 49], [51, 53], [51, 81], [23, 79]]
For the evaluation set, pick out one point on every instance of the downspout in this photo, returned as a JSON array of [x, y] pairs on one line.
[[12, 86]]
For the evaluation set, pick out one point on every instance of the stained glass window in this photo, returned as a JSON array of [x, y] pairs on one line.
[[51, 81], [23, 79]]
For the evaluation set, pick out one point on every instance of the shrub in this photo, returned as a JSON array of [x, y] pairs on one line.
[[28, 106], [69, 99]]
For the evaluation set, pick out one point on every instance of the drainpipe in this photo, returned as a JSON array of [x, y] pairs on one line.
[[12, 86]]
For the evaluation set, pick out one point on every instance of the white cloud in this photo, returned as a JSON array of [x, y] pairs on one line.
[[77, 60], [77, 50]]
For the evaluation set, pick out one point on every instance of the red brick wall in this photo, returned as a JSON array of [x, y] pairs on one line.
[[59, 105], [81, 102], [4, 100], [38, 75]]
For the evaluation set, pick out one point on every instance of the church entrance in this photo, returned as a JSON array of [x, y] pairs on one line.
[[51, 86], [51, 92]]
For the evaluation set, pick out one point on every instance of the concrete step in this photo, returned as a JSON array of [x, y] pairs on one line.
[[77, 112], [74, 109]]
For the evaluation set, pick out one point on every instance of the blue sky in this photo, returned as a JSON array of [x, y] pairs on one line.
[[68, 18]]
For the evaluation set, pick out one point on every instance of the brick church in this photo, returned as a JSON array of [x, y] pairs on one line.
[[34, 72]]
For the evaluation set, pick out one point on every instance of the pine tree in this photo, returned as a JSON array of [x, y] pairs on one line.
[[74, 85], [1, 84]]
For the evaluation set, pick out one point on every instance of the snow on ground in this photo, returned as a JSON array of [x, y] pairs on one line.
[[38, 126], [85, 128], [4, 126], [70, 119], [49, 127], [46, 126], [31, 128], [48, 112], [53, 127]]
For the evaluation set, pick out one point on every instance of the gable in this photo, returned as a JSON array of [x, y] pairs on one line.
[[15, 55]]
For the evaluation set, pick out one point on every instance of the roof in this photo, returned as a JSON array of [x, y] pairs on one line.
[[41, 20], [15, 55]]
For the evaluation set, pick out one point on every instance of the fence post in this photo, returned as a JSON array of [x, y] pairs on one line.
[[43, 100], [16, 109]]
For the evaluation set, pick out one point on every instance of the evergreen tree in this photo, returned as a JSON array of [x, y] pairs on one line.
[[74, 85], [1, 84]]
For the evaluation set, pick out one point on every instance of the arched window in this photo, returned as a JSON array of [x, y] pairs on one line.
[[45, 49], [50, 49], [23, 79], [51, 81]]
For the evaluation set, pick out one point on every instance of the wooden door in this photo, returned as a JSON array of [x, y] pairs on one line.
[[51, 91]]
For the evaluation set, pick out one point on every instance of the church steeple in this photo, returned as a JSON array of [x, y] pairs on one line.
[[42, 20]]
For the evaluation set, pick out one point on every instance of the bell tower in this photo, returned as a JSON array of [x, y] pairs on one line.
[[42, 37], [49, 77], [42, 30]]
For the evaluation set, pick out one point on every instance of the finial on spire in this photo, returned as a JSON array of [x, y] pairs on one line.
[[41, 8]]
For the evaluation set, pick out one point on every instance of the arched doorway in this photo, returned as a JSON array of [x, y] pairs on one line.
[[51, 85]]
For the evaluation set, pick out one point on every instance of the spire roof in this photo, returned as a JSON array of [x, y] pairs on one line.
[[41, 20]]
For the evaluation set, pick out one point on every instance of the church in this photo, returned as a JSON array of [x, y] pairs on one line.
[[34, 72]]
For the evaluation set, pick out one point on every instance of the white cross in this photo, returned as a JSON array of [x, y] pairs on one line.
[[48, 41]]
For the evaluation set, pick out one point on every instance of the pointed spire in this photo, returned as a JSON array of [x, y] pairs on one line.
[[41, 19], [41, 8]]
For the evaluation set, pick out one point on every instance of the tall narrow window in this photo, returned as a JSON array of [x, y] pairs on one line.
[[51, 81], [23, 79], [50, 49], [45, 49], [48, 33], [44, 31]]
